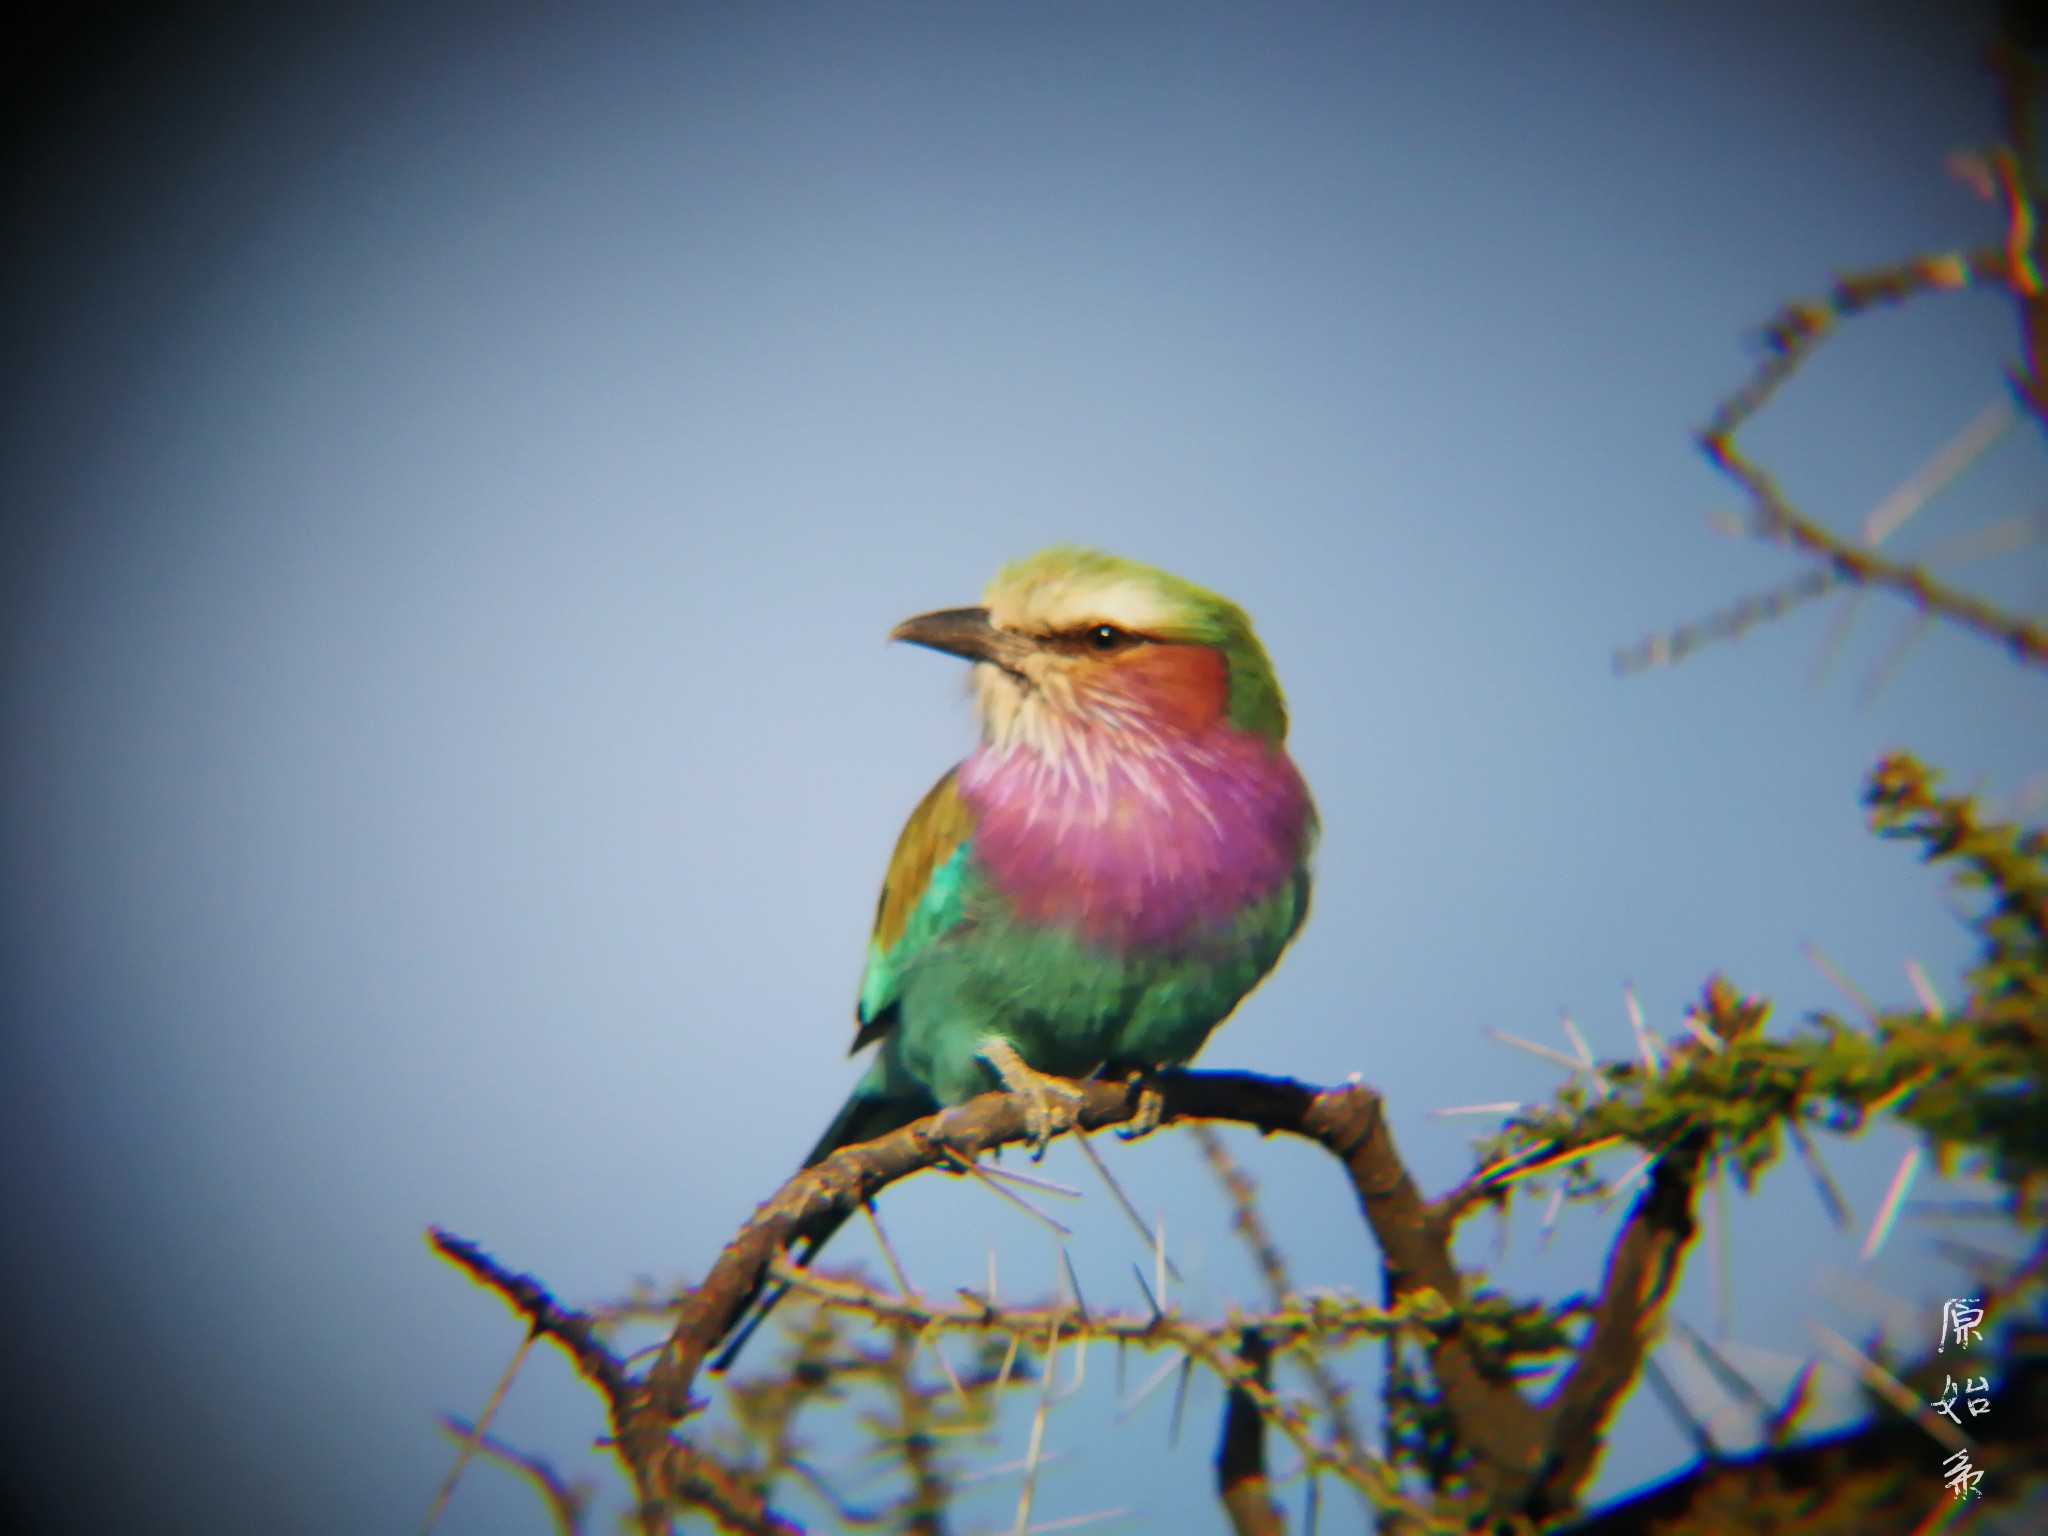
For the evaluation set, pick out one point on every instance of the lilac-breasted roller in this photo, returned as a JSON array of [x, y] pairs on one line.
[[1117, 863]]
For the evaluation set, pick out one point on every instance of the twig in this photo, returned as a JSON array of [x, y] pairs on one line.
[[1272, 1265], [1787, 340], [573, 1330], [1780, 522], [1123, 1201], [566, 1501], [1213, 1345], [468, 1445], [664, 1469]]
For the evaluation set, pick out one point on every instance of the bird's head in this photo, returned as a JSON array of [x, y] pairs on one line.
[[1074, 640]]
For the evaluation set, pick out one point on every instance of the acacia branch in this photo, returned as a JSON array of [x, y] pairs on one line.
[[1642, 1270], [1793, 333], [2011, 174], [1777, 519], [1493, 1419], [1517, 1447], [1502, 1428], [680, 1473], [574, 1331], [1245, 1217], [1797, 328], [668, 1473], [1241, 1481], [1330, 1320], [2019, 172], [1218, 1346]]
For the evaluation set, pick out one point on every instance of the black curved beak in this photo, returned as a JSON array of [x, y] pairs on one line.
[[964, 632]]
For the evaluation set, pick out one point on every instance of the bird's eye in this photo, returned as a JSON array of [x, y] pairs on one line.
[[1106, 637]]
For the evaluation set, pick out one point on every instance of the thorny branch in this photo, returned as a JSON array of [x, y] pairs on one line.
[[1251, 1226], [566, 1501], [1642, 1269], [1218, 1346], [1425, 1293], [670, 1473], [2011, 173]]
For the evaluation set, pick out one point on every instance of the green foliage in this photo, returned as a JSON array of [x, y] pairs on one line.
[[1976, 1079], [1971, 1080]]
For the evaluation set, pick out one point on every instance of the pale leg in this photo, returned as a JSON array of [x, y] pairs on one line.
[[1151, 1109], [1052, 1104]]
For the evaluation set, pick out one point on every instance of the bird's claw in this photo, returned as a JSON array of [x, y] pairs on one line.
[[1054, 1107], [1051, 1104], [1150, 1111]]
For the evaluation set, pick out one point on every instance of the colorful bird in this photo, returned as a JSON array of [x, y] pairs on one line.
[[1120, 860]]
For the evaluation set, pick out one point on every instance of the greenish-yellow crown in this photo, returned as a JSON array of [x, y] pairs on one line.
[[1068, 586]]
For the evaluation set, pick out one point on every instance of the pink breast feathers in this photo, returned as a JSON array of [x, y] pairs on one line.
[[1134, 837]]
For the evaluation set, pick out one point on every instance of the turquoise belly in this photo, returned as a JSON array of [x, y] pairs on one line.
[[1068, 1007]]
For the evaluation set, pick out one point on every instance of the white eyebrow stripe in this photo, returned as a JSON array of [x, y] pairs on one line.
[[1061, 607]]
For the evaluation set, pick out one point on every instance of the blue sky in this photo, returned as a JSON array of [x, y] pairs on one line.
[[463, 464]]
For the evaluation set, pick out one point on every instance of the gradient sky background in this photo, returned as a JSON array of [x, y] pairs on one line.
[[460, 464]]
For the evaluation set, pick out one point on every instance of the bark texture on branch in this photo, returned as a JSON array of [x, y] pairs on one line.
[[1241, 1481], [1528, 1459], [1642, 1269]]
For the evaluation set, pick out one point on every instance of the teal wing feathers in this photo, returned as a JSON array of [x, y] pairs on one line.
[[920, 901]]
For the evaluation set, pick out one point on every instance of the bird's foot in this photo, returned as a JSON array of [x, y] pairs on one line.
[[1052, 1104], [1150, 1111]]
